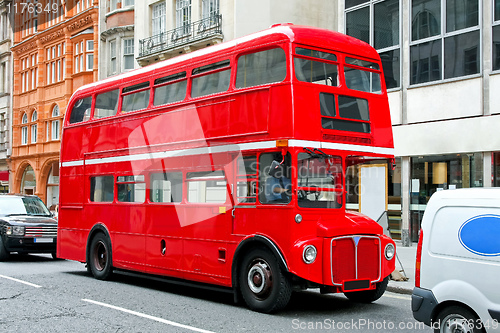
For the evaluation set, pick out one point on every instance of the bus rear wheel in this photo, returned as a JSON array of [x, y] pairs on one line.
[[263, 285], [100, 258]]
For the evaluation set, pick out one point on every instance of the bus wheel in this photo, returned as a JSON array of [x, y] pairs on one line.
[[368, 296], [263, 285], [100, 260]]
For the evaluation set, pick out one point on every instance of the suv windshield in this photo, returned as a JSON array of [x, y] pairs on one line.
[[319, 180], [31, 206]]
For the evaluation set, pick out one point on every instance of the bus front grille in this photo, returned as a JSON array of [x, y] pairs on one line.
[[355, 258]]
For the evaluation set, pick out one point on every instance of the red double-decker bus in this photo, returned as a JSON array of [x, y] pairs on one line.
[[228, 166]]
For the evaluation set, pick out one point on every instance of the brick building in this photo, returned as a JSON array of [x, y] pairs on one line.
[[54, 52]]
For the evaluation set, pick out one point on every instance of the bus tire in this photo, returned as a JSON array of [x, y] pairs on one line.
[[100, 257], [4, 254], [368, 296], [263, 285]]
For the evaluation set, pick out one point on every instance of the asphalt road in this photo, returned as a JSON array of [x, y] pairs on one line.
[[38, 294]]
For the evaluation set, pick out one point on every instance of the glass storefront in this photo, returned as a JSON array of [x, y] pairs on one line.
[[430, 174]]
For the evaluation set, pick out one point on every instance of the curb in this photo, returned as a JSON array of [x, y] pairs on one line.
[[400, 289]]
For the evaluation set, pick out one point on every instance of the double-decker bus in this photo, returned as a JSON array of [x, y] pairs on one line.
[[228, 166]]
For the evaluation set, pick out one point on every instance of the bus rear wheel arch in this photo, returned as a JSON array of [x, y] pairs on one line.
[[264, 286], [99, 257]]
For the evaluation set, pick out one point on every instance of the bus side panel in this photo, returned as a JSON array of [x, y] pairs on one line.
[[250, 112], [163, 239]]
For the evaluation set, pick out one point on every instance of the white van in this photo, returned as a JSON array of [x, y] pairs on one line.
[[457, 280]]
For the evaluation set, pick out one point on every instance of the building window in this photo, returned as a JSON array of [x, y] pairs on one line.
[[209, 9], [444, 50], [55, 63], [434, 173], [90, 55], [496, 36], [183, 16], [55, 123], [127, 3], [24, 130], [159, 19], [378, 23], [34, 127], [112, 5], [112, 57], [128, 54]]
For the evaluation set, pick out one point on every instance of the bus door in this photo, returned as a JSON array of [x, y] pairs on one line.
[[208, 215], [129, 226]]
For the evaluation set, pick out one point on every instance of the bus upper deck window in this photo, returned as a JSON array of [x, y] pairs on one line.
[[135, 97], [361, 77], [215, 80], [261, 67], [315, 67], [170, 89], [81, 110], [106, 104]]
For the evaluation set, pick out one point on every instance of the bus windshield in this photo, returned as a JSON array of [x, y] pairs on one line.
[[319, 180]]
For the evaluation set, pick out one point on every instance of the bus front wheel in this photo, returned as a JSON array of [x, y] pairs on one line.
[[100, 260], [263, 285]]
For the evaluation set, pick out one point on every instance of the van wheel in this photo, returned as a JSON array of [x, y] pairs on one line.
[[4, 254], [368, 296], [457, 319], [99, 257], [263, 285]]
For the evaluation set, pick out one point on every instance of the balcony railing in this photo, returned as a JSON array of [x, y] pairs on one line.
[[185, 34]]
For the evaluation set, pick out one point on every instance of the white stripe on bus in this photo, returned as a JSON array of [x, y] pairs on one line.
[[229, 148]]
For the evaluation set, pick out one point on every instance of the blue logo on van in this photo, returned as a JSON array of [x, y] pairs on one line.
[[481, 235]]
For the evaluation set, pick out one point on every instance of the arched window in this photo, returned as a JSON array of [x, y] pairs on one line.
[[34, 127], [55, 123], [24, 130]]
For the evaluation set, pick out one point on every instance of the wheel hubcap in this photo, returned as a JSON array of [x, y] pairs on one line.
[[100, 256], [455, 323], [260, 279]]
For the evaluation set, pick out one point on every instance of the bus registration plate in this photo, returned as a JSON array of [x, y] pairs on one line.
[[356, 285]]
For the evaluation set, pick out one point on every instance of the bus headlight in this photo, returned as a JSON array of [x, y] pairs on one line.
[[309, 254], [298, 218], [390, 251]]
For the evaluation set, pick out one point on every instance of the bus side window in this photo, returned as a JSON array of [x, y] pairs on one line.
[[215, 81], [81, 110], [260, 68], [247, 179], [106, 104], [101, 189], [135, 97], [166, 187], [207, 187], [131, 189], [169, 89]]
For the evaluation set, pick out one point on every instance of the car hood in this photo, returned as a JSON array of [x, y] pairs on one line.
[[25, 219], [351, 223]]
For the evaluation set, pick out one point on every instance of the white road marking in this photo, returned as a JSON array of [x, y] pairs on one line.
[[20, 281], [138, 314]]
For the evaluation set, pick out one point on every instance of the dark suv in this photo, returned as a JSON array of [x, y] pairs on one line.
[[26, 226]]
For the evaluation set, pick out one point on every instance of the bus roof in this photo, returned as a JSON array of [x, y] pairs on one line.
[[278, 33]]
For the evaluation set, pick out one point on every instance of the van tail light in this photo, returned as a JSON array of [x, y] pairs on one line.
[[419, 258]]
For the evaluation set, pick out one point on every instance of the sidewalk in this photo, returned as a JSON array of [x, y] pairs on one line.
[[406, 256]]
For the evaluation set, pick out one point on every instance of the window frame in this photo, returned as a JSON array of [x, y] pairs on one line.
[[442, 36], [398, 46], [495, 24]]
